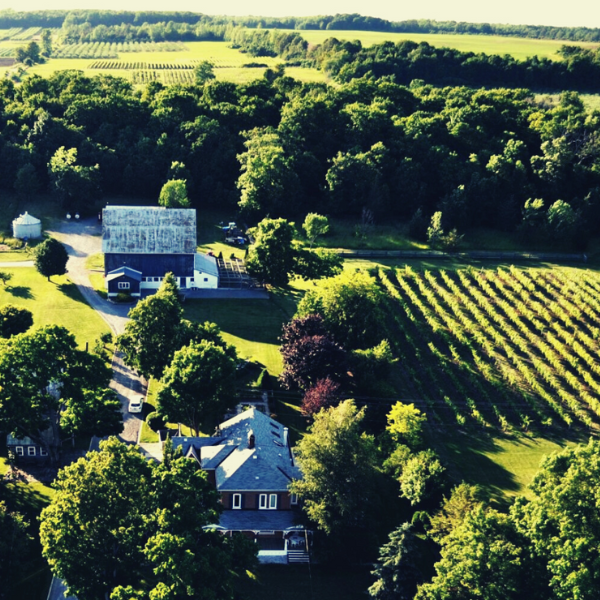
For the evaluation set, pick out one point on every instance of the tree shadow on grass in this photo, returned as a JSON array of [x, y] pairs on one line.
[[70, 291], [20, 291]]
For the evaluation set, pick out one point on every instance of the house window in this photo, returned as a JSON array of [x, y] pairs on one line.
[[43, 452], [31, 450], [19, 450], [294, 498], [237, 501], [262, 501], [206, 279], [123, 285], [273, 501]]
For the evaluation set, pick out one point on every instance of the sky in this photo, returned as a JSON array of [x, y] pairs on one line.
[[571, 13]]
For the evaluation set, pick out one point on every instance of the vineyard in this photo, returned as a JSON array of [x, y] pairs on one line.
[[500, 348], [112, 49], [7, 52], [117, 64], [163, 76], [19, 34]]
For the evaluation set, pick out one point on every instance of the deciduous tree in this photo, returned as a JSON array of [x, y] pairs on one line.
[[14, 320], [198, 385], [324, 394], [405, 424], [203, 72], [562, 520], [315, 225], [120, 527], [339, 466], [51, 258], [174, 194], [351, 305]]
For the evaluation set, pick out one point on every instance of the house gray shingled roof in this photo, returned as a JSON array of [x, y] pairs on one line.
[[148, 230], [269, 466]]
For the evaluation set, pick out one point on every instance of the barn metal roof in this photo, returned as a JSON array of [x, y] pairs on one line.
[[148, 230], [206, 264], [124, 272]]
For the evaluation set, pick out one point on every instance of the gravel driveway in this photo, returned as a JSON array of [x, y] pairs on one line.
[[81, 239]]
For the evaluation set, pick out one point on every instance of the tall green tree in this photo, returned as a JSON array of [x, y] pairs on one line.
[[315, 225], [64, 394], [152, 333], [75, 185], [485, 557], [14, 320], [198, 386], [51, 258], [120, 527], [562, 520], [16, 549], [174, 194], [272, 255], [47, 42], [352, 306], [397, 569], [204, 72], [339, 467]]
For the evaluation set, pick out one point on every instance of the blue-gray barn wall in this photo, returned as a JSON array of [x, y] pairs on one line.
[[152, 265]]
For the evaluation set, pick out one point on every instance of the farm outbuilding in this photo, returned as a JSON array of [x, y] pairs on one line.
[[26, 226], [143, 243]]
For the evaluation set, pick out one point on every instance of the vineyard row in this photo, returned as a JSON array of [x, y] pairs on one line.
[[112, 49]]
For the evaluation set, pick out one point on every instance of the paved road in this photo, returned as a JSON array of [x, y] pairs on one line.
[[82, 239], [18, 263]]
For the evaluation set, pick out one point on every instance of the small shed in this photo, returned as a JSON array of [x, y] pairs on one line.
[[27, 226], [123, 280], [206, 271]]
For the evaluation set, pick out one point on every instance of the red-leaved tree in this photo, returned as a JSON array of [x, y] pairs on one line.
[[323, 394]]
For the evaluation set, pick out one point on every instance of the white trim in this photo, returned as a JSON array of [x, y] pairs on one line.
[[19, 450], [272, 501], [31, 451], [43, 452], [262, 502], [236, 502], [293, 499], [123, 285]]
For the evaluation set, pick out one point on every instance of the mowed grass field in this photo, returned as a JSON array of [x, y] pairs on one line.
[[520, 48], [228, 65], [52, 302]]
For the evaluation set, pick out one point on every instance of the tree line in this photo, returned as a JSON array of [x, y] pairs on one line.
[[369, 149], [56, 18]]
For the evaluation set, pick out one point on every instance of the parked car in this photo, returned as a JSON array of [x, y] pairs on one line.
[[136, 404]]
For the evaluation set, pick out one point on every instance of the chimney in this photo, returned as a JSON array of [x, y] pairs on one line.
[[285, 436], [251, 439]]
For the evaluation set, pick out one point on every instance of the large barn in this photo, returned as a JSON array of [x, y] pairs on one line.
[[143, 243]]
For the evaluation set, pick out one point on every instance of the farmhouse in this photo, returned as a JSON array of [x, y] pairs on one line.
[[143, 243], [251, 464]]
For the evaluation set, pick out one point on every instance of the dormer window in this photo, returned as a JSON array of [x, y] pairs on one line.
[[236, 502]]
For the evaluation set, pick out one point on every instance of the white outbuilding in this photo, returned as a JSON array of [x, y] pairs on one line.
[[27, 227]]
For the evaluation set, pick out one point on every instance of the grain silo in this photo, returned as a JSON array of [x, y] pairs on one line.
[[27, 227]]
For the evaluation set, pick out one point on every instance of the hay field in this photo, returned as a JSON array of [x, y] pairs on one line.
[[520, 48]]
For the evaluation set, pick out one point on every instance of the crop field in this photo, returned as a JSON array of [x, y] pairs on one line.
[[147, 65], [112, 50], [501, 348], [520, 48]]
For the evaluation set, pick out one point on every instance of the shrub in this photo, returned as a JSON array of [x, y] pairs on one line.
[[123, 297], [106, 338], [155, 421]]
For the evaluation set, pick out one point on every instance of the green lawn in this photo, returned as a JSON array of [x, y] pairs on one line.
[[15, 256], [504, 466], [53, 302], [520, 48]]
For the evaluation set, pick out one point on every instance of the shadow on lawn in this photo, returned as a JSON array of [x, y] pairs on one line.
[[20, 291], [470, 456], [70, 291]]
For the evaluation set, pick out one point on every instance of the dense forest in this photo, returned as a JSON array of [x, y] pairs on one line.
[[369, 148], [93, 18]]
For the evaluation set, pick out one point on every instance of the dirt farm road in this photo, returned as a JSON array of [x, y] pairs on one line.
[[82, 238]]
